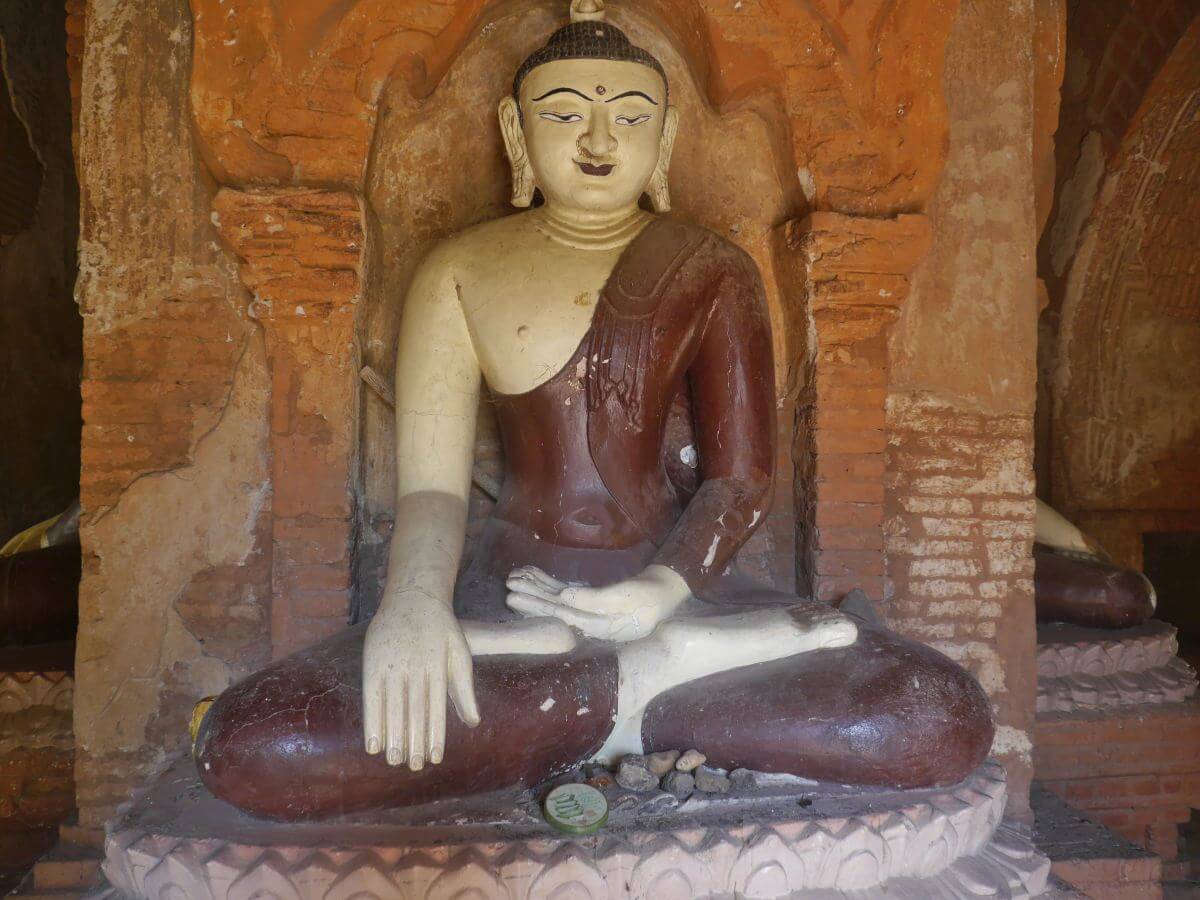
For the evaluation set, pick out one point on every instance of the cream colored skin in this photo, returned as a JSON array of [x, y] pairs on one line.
[[1055, 530], [509, 302]]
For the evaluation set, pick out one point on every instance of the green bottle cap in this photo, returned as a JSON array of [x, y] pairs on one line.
[[576, 809]]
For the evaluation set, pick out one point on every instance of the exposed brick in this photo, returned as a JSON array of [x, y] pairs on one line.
[[1135, 770], [842, 514]]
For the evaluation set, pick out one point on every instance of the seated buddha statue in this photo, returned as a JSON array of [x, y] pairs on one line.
[[597, 615], [1075, 582]]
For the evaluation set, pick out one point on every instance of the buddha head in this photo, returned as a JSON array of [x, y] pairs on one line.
[[587, 122]]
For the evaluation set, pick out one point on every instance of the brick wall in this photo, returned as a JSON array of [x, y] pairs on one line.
[[1136, 771], [959, 529], [301, 255], [1114, 50], [1126, 376], [856, 276]]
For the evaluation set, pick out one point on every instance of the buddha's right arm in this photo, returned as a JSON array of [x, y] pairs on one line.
[[437, 398], [415, 653]]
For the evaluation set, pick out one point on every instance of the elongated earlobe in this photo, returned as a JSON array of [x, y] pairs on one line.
[[660, 194], [518, 157]]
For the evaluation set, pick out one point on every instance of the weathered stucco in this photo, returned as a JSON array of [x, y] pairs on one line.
[[175, 471], [960, 490]]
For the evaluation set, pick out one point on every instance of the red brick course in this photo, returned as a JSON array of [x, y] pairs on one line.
[[855, 273], [1136, 771], [301, 255]]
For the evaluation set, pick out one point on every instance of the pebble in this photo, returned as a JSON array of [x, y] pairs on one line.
[[634, 774], [711, 780], [690, 760], [662, 762], [743, 779], [679, 785]]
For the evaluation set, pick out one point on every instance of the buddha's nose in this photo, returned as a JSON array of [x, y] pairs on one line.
[[598, 140]]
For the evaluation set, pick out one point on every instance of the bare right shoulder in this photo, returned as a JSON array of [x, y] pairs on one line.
[[471, 249]]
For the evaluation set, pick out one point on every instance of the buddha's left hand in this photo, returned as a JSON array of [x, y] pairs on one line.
[[624, 611]]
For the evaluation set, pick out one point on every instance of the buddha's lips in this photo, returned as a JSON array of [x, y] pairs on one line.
[[589, 169]]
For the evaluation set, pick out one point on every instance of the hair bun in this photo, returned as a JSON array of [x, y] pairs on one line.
[[587, 10]]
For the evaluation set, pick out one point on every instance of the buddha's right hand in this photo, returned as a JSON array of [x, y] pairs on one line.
[[414, 655]]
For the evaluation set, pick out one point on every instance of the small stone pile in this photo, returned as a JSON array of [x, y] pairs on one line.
[[679, 774]]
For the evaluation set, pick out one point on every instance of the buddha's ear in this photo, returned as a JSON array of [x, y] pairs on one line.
[[518, 156], [660, 194]]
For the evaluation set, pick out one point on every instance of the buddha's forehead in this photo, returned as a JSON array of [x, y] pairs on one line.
[[589, 76]]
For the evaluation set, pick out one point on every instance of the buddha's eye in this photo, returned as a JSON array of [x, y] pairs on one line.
[[561, 117], [633, 120]]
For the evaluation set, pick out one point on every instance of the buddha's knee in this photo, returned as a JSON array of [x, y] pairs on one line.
[[287, 742], [885, 711], [1090, 592], [274, 744]]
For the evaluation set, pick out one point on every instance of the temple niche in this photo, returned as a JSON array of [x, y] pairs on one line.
[[826, 532], [412, 204]]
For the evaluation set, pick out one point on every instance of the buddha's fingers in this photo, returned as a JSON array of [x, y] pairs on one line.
[[394, 702], [592, 624], [461, 685], [527, 584], [547, 580], [418, 685], [373, 712], [436, 698]]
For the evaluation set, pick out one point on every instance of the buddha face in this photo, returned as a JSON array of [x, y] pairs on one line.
[[592, 131]]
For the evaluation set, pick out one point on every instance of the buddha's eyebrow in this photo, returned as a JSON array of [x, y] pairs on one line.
[[633, 94], [563, 90]]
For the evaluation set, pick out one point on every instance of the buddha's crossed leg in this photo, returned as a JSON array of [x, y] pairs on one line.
[[746, 689]]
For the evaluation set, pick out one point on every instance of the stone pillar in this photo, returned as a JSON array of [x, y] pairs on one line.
[[856, 275], [301, 254]]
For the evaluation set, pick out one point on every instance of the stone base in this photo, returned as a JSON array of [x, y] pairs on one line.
[[775, 839], [1093, 668]]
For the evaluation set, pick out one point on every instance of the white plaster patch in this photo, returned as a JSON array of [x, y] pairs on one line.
[[1009, 740], [808, 184], [547, 705]]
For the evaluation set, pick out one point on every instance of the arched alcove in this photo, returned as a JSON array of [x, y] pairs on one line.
[[1126, 420], [437, 166]]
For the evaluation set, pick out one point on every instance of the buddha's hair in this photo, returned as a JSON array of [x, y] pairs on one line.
[[586, 40]]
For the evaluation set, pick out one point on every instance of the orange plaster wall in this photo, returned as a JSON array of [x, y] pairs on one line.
[[867, 134]]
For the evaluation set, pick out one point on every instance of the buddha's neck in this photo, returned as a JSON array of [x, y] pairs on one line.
[[591, 230]]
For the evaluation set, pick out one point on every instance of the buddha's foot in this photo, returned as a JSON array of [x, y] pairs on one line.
[[528, 637], [704, 646], [685, 650]]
